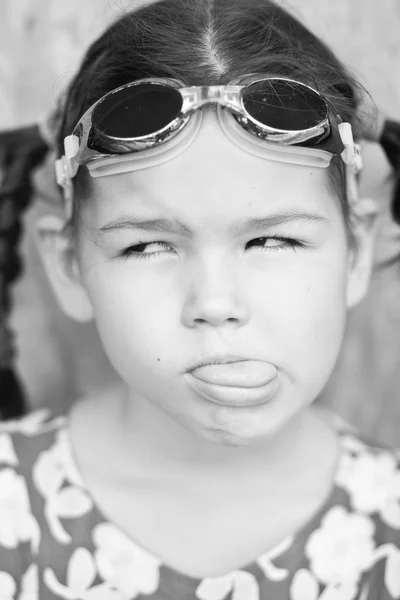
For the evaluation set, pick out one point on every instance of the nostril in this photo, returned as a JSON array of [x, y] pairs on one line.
[[215, 321], [215, 312], [199, 321]]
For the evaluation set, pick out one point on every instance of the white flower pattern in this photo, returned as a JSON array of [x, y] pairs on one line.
[[242, 584], [7, 452], [54, 468], [373, 484], [8, 586], [265, 562], [336, 555], [33, 423], [342, 548], [81, 573], [29, 587], [125, 566], [30, 584], [17, 523]]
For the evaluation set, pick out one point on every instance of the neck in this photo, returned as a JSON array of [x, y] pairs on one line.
[[150, 438]]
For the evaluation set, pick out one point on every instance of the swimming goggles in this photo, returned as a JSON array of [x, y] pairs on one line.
[[149, 121]]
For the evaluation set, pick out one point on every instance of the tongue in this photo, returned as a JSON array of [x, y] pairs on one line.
[[245, 373]]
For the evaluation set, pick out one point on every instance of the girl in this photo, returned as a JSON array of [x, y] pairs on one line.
[[212, 230]]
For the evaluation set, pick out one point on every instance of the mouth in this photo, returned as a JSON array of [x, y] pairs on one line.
[[218, 359], [234, 381]]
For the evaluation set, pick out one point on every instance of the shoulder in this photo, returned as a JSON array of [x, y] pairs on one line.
[[23, 440], [355, 544], [36, 457], [370, 474], [23, 443]]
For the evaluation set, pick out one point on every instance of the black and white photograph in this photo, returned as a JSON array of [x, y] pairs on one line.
[[199, 300]]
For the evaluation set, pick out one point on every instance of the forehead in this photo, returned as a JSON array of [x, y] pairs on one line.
[[214, 180]]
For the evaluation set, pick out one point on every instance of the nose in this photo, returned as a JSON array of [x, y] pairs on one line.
[[215, 296]]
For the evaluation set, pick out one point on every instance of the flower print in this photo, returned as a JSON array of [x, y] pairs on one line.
[[65, 455], [56, 465], [32, 423], [30, 584], [48, 472], [7, 452], [392, 570], [304, 585], [57, 479], [272, 572], [7, 586], [242, 584], [373, 484], [81, 574], [125, 566], [343, 591], [17, 523], [342, 548]]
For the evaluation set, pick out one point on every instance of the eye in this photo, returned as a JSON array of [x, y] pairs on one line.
[[274, 243], [146, 250]]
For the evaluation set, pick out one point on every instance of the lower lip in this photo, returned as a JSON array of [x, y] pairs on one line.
[[232, 396]]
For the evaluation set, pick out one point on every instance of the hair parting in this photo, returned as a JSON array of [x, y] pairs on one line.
[[203, 42]]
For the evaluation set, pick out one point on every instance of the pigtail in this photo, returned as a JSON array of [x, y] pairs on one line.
[[386, 132], [390, 142], [21, 150]]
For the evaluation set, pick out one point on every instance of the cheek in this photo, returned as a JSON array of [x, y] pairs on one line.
[[135, 317], [303, 312], [297, 312]]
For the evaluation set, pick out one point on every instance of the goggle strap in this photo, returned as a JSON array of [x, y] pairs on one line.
[[349, 154], [68, 196], [67, 166], [71, 146], [352, 186]]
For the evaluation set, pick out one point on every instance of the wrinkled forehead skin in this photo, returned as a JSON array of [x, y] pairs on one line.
[[214, 181]]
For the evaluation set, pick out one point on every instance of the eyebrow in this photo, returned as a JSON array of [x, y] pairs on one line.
[[128, 221]]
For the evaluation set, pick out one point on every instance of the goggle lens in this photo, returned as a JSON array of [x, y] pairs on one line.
[[147, 108], [137, 110], [284, 105]]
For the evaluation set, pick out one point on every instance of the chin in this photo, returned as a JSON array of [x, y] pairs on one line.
[[234, 434]]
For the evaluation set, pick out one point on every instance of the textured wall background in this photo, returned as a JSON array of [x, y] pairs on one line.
[[41, 42]]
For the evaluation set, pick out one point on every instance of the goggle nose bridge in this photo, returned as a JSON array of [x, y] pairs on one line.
[[228, 96]]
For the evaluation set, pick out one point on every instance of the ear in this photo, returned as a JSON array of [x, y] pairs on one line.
[[364, 225], [60, 262]]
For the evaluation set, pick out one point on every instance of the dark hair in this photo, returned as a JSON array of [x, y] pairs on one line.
[[390, 141], [20, 151], [208, 42], [387, 133]]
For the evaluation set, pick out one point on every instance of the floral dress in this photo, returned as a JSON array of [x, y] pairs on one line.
[[56, 544]]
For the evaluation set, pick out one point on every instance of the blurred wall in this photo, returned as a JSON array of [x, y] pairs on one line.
[[41, 42]]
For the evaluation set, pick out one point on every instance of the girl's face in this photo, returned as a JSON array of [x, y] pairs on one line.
[[219, 257]]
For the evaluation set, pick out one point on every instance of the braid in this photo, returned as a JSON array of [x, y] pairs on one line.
[[390, 141], [20, 151], [387, 133]]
